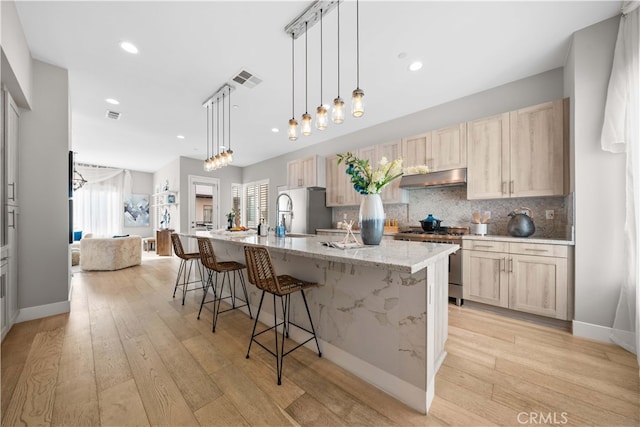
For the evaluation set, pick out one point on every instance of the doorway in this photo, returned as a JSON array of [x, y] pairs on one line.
[[204, 205]]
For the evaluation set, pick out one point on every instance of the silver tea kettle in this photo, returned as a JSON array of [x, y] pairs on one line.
[[521, 223]]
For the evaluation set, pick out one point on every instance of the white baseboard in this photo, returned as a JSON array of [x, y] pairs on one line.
[[591, 331], [40, 311]]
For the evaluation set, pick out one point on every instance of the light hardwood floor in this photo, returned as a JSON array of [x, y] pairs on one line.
[[129, 354]]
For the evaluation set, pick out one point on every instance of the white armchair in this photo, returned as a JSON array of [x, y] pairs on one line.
[[110, 253]]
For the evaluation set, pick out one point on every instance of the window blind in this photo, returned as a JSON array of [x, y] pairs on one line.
[[256, 196]]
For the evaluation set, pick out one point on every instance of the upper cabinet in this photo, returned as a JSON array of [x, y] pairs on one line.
[[392, 193], [440, 149], [523, 153], [306, 172], [340, 191], [449, 148], [11, 119]]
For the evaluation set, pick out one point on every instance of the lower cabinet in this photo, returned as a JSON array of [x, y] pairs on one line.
[[527, 277]]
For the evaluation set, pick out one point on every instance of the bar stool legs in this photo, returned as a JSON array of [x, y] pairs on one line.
[[184, 275], [226, 278]]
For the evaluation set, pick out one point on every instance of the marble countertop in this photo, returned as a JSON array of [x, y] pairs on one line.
[[496, 238], [402, 256]]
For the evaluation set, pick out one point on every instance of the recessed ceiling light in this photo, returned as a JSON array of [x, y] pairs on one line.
[[180, 136], [402, 55], [415, 66], [112, 101], [275, 130], [235, 107], [129, 47]]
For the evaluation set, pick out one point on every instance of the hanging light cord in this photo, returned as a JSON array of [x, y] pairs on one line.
[[306, 70], [208, 132], [321, 57], [293, 76], [357, 44], [218, 121], [229, 147], [338, 48], [223, 95]]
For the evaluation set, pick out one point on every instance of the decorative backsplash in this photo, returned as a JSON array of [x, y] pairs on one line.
[[450, 205]]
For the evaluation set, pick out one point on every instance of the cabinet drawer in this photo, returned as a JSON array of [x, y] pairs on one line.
[[559, 251], [483, 245]]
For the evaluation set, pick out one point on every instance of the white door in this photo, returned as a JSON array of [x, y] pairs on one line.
[[204, 206]]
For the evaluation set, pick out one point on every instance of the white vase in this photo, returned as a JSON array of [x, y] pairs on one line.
[[371, 219]]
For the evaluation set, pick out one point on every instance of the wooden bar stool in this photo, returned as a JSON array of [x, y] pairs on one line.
[[184, 271], [210, 262], [263, 275]]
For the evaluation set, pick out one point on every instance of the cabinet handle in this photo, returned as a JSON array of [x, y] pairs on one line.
[[510, 265], [13, 192], [4, 258], [300, 182], [482, 246], [13, 220], [503, 264], [504, 187], [511, 186], [536, 250]]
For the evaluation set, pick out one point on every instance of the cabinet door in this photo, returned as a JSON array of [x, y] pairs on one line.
[[538, 285], [309, 172], [488, 160], [484, 277], [11, 296], [11, 119], [294, 176], [392, 193], [416, 149], [340, 192], [538, 151], [449, 148]]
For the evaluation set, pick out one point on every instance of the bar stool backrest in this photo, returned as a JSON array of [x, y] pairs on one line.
[[260, 268], [207, 255], [177, 245]]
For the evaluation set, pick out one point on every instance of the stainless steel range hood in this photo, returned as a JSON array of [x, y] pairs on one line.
[[435, 179]]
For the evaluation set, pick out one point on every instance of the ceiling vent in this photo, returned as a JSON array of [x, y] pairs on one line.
[[112, 115], [247, 79]]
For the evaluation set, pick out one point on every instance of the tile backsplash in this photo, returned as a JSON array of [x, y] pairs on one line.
[[450, 205]]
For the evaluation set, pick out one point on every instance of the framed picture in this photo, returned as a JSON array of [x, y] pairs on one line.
[[136, 210], [171, 198]]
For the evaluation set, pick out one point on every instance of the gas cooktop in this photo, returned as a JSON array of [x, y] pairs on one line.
[[443, 234]]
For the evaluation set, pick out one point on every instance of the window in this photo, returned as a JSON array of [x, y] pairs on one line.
[[256, 202], [236, 200]]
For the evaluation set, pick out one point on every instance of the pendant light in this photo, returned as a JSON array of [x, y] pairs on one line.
[[357, 102], [293, 124], [229, 153], [306, 117], [321, 112], [205, 164], [337, 115]]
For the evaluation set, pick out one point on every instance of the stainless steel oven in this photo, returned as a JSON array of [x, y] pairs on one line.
[[450, 235]]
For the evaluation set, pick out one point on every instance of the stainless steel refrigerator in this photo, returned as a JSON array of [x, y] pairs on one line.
[[306, 212]]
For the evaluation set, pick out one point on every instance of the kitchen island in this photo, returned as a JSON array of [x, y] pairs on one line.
[[380, 312]]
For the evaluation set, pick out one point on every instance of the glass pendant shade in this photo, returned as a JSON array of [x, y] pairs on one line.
[[337, 115], [293, 129], [229, 156], [322, 118], [205, 165], [306, 124], [357, 103]]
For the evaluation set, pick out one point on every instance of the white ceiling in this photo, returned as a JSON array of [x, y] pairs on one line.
[[189, 49]]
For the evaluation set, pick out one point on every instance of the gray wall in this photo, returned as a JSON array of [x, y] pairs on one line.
[[598, 178], [43, 244], [533, 90], [227, 176]]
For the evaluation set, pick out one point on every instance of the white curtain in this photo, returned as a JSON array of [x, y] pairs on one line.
[[98, 207], [621, 134]]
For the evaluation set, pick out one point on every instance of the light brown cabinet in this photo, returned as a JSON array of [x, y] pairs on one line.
[[340, 191], [306, 172], [523, 153], [440, 149], [526, 277], [392, 193], [164, 246]]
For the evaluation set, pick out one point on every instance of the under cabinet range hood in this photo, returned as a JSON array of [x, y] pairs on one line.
[[435, 179]]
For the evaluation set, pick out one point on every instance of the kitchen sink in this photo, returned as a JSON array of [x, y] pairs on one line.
[[298, 235]]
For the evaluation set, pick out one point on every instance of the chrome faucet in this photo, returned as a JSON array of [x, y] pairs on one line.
[[289, 210]]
